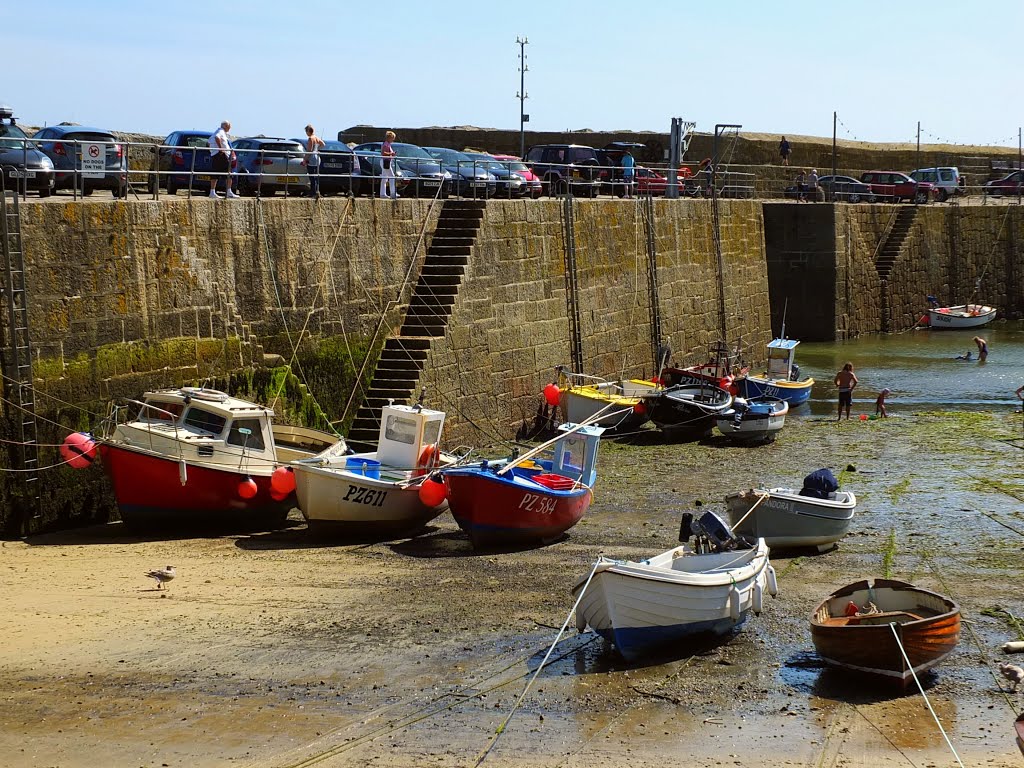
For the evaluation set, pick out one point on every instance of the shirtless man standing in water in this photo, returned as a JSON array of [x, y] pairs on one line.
[[846, 380]]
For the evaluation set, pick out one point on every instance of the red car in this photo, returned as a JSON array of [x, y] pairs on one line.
[[1011, 184], [521, 169], [896, 186]]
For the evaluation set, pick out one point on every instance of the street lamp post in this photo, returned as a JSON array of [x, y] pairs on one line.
[[522, 95]]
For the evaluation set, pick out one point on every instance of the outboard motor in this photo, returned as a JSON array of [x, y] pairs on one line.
[[716, 531]]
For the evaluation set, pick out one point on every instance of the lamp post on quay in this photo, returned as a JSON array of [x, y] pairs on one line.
[[522, 95]]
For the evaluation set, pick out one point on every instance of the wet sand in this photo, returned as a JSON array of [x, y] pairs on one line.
[[274, 649]]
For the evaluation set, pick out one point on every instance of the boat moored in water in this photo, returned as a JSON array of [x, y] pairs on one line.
[[960, 316], [781, 380]]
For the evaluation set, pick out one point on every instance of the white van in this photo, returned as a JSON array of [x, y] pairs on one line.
[[947, 181]]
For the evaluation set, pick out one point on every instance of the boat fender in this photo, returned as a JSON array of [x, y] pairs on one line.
[[1014, 646], [182, 472], [773, 581], [758, 597], [78, 450], [734, 603], [429, 458]]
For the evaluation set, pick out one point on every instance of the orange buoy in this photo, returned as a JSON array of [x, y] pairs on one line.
[[78, 450], [282, 481], [430, 457], [432, 491], [247, 488]]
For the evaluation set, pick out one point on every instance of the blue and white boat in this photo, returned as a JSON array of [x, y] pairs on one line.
[[781, 380], [709, 587], [753, 421]]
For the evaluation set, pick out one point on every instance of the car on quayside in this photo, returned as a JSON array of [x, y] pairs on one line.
[[845, 189], [948, 181], [533, 183], [182, 161], [894, 186], [85, 158], [427, 177], [1011, 184], [266, 165], [367, 181], [339, 168], [566, 168], [22, 165], [507, 184], [469, 179]]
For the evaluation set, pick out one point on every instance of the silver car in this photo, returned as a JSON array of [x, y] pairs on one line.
[[266, 165]]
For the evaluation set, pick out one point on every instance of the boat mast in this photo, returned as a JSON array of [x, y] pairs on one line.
[[785, 307]]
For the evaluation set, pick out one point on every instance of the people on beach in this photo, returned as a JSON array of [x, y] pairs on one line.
[[784, 150], [222, 155], [312, 160], [846, 380], [628, 171], [982, 347], [388, 187], [880, 403]]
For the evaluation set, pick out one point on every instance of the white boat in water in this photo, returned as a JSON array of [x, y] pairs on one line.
[[961, 316], [785, 518], [377, 492], [709, 587]]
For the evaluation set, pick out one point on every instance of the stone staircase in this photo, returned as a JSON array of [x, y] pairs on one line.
[[401, 362], [897, 235]]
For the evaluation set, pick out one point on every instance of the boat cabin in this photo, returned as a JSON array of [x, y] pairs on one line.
[[576, 454], [406, 431], [781, 353]]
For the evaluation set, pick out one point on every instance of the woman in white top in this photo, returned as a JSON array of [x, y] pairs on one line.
[[312, 160]]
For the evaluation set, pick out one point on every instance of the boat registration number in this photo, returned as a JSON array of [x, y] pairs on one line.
[[371, 497], [542, 505]]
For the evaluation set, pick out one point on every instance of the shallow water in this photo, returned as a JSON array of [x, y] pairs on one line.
[[921, 369]]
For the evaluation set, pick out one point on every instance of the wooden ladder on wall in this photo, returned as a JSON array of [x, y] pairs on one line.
[[19, 382], [426, 318]]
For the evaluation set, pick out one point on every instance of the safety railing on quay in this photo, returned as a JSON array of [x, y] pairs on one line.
[[152, 169]]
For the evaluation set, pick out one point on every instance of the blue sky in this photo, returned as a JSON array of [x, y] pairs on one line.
[[272, 67]]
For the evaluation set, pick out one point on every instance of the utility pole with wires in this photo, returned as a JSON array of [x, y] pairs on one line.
[[522, 95]]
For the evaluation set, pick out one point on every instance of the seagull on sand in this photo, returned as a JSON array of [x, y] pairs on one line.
[[162, 576], [1013, 673]]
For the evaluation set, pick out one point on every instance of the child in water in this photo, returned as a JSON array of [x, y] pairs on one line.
[[880, 403], [964, 357]]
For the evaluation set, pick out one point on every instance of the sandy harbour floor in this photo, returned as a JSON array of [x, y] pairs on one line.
[[275, 649]]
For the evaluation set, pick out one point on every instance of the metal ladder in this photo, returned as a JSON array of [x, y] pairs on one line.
[[572, 286], [652, 281], [19, 386]]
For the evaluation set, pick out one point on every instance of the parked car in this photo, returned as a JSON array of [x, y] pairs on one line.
[[266, 164], [85, 158], [469, 179], [535, 188], [367, 181], [1011, 184], [896, 186], [183, 161], [426, 175], [836, 189], [947, 181], [507, 184], [566, 168], [22, 165], [610, 159], [338, 168]]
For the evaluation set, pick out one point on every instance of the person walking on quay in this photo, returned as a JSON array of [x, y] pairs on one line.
[[312, 161], [628, 171], [784, 150], [846, 380], [982, 348], [222, 155], [387, 166]]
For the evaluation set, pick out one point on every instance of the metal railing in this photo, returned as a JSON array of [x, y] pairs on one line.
[[148, 168]]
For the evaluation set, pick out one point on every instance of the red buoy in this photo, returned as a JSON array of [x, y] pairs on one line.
[[552, 395], [78, 450], [282, 481], [247, 488], [640, 408], [277, 495], [432, 491]]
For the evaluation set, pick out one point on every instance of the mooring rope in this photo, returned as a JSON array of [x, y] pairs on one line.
[[910, 666], [558, 638]]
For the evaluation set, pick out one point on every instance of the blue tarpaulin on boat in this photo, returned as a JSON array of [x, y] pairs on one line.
[[819, 484]]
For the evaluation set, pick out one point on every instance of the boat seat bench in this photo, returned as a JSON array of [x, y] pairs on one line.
[[885, 617]]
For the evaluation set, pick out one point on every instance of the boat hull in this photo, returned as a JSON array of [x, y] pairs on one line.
[[149, 491], [928, 625], [793, 392], [495, 511], [583, 402], [341, 502], [786, 519], [959, 317], [643, 608], [687, 411], [760, 423]]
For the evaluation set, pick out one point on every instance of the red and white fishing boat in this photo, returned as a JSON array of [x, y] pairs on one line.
[[961, 316], [192, 454], [526, 500], [716, 371]]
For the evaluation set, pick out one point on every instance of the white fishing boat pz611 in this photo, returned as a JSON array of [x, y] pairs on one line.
[[710, 587]]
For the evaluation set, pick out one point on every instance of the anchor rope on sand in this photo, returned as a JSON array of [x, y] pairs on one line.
[[899, 643], [504, 723]]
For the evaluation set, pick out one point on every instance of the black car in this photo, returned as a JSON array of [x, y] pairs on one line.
[[469, 178], [22, 165], [566, 168], [507, 183], [610, 157], [339, 168], [427, 177]]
